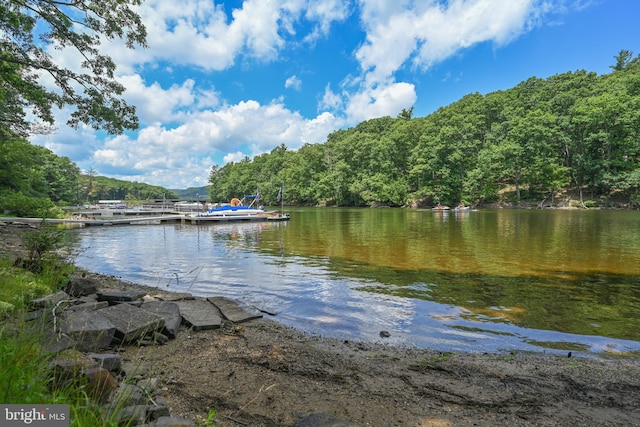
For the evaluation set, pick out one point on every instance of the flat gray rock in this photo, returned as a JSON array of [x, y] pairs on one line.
[[88, 306], [169, 311], [232, 311], [200, 314], [131, 322], [111, 362], [56, 343], [89, 329], [129, 394], [82, 286], [116, 297], [51, 300]]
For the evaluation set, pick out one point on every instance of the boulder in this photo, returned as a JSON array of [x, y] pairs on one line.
[[57, 342], [51, 300], [129, 395], [200, 314], [169, 311], [131, 323], [81, 286], [88, 306], [90, 330], [231, 310], [100, 383], [112, 362], [69, 362], [118, 297]]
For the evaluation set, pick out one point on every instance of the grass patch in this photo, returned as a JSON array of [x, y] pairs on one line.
[[27, 377], [25, 372], [19, 286]]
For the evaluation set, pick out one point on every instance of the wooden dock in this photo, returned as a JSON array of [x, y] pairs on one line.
[[88, 222], [131, 220]]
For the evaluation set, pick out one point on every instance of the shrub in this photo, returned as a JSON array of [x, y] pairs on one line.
[[22, 205], [42, 241]]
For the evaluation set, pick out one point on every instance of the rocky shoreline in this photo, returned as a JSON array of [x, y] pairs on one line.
[[260, 373], [96, 323], [89, 322]]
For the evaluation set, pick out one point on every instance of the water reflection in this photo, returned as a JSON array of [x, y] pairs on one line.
[[466, 281]]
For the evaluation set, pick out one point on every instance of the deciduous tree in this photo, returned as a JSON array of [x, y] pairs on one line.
[[30, 28]]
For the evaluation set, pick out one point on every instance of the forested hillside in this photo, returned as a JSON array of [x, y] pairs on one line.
[[36, 182], [576, 131], [197, 193]]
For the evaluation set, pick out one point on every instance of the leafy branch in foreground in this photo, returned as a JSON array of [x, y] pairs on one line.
[[29, 27]]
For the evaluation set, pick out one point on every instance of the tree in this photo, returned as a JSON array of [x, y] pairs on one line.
[[406, 114], [526, 152], [623, 59], [91, 173], [16, 163], [29, 27], [306, 175], [540, 137], [60, 176]]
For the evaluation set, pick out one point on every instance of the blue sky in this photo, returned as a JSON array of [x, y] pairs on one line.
[[221, 80]]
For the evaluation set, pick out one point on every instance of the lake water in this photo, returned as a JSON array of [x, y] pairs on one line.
[[487, 280]]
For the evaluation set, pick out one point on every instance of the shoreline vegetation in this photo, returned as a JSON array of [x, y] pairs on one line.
[[570, 135], [262, 373]]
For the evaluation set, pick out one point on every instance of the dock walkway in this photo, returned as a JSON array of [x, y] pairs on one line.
[[99, 222], [131, 220]]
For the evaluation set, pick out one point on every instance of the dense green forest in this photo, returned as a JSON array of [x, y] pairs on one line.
[[36, 182], [33, 180], [192, 193], [576, 132]]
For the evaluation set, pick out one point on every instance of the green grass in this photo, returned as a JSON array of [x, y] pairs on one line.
[[20, 286], [27, 378], [23, 370], [25, 374]]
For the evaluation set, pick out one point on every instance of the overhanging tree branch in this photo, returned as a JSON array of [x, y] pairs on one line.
[[29, 27]]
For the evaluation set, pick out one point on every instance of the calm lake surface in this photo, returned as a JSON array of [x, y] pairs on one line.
[[487, 280]]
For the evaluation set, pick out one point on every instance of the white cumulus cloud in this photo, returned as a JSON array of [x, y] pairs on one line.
[[293, 82], [188, 120]]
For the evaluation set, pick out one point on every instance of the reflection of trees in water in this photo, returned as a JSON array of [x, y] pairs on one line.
[[588, 304], [568, 271]]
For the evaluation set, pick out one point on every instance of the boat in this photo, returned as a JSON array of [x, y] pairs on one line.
[[440, 208], [462, 208], [237, 210]]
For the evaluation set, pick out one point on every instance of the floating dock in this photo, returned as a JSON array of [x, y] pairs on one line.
[[139, 220], [87, 222]]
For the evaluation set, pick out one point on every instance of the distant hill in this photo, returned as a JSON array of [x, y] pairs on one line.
[[193, 193]]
